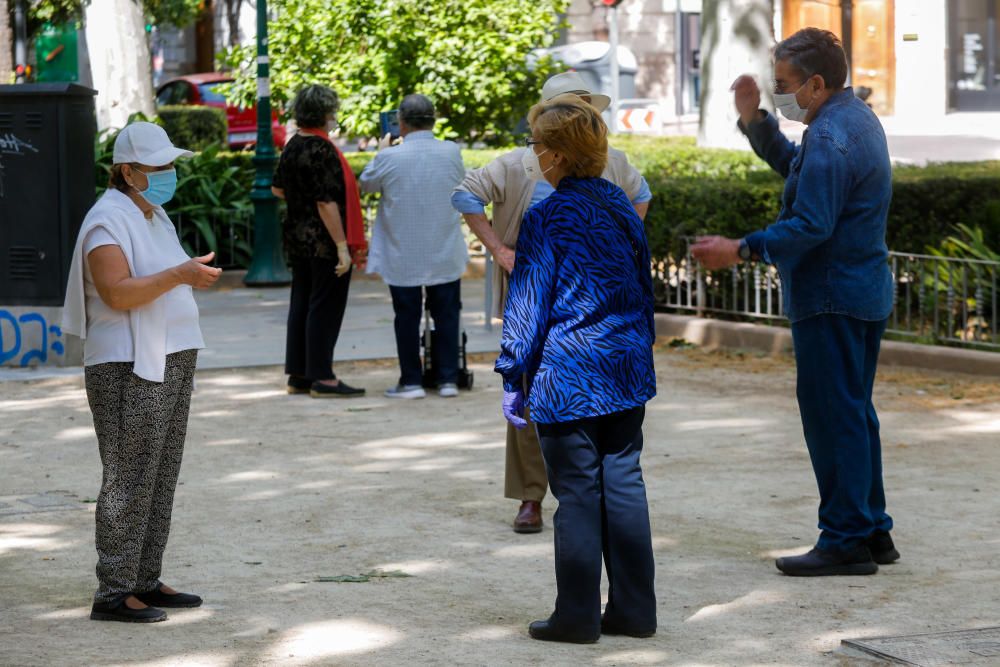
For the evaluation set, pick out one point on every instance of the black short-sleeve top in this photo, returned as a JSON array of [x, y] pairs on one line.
[[309, 171]]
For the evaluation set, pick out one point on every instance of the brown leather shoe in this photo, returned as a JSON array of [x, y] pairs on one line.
[[529, 517]]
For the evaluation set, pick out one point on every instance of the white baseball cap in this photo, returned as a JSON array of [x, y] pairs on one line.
[[147, 144], [572, 82]]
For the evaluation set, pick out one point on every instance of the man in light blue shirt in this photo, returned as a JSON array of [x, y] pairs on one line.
[[417, 243]]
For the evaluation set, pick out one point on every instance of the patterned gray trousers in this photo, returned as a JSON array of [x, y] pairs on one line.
[[140, 427]]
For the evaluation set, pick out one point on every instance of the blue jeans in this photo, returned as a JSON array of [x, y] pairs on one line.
[[594, 473], [836, 357], [445, 304]]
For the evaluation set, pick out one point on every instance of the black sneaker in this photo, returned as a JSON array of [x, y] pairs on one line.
[[119, 611], [339, 390], [157, 598], [299, 385], [820, 563], [882, 548]]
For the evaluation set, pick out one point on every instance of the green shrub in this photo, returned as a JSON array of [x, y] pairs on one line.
[[195, 127], [695, 191]]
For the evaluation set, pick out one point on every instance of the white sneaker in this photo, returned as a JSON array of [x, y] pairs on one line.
[[448, 390], [406, 391]]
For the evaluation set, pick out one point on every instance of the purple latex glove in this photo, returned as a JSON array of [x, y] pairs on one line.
[[513, 408]]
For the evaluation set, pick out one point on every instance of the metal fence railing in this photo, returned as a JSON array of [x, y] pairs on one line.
[[946, 300]]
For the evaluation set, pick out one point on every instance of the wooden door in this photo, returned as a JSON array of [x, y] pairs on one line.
[[873, 56], [799, 14], [870, 44]]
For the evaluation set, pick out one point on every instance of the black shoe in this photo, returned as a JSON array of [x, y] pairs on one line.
[[119, 611], [157, 598], [339, 390], [882, 548], [547, 632], [611, 628], [299, 385], [820, 563]]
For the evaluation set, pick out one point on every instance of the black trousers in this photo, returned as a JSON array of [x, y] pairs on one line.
[[445, 304], [594, 473], [315, 314]]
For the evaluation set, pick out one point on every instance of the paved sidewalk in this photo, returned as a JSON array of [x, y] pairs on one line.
[[245, 326]]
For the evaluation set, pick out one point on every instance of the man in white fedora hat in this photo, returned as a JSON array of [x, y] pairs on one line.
[[505, 184]]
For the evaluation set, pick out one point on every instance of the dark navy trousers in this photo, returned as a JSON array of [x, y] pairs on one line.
[[594, 473], [445, 304], [836, 357]]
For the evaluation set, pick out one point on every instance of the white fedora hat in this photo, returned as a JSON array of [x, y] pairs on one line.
[[146, 143], [572, 82]]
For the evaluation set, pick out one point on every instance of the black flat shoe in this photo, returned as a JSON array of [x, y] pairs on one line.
[[157, 598], [546, 632], [339, 390], [298, 385], [611, 628], [820, 563], [119, 611], [882, 548]]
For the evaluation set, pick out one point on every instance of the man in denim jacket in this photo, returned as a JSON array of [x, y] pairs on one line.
[[829, 246]]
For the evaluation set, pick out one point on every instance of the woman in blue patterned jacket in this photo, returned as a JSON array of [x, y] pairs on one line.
[[577, 349]]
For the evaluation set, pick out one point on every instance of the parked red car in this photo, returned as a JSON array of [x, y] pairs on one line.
[[202, 89]]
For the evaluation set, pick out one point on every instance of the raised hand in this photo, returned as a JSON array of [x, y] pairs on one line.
[[746, 94]]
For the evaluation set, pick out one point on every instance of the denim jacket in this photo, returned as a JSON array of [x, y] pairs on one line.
[[829, 240]]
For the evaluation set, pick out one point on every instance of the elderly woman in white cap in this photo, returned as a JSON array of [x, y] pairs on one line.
[[129, 297], [505, 183]]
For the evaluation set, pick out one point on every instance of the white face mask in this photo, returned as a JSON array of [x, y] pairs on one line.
[[789, 106], [529, 160]]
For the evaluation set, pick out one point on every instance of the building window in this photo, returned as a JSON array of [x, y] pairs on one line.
[[974, 47]]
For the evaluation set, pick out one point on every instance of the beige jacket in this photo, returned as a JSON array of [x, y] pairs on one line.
[[504, 183]]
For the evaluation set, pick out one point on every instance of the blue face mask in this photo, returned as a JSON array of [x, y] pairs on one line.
[[162, 186]]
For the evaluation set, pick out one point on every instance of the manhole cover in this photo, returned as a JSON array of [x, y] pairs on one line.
[[50, 501], [962, 647]]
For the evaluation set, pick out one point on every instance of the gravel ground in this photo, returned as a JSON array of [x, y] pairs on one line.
[[278, 491]]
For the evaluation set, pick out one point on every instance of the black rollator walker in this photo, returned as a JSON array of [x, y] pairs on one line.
[[427, 344]]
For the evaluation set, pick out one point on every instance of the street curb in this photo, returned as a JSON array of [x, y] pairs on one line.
[[777, 341]]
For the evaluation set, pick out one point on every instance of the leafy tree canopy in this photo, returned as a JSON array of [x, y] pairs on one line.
[[159, 12], [469, 56]]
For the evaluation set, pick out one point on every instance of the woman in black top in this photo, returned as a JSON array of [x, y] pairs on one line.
[[310, 178]]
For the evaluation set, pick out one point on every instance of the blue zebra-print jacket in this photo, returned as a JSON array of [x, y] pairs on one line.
[[578, 323]]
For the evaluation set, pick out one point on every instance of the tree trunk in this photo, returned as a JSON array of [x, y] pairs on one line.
[[204, 32], [233, 8], [6, 44], [736, 38], [119, 60]]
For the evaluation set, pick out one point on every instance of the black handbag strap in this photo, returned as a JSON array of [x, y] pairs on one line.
[[636, 254]]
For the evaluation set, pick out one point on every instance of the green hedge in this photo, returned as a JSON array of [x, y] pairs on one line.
[[195, 127], [707, 191]]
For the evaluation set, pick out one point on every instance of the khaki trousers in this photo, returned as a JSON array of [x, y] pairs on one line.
[[525, 477]]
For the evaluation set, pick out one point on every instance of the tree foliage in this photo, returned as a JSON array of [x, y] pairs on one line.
[[177, 13], [469, 56]]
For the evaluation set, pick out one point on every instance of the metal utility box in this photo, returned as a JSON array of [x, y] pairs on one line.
[[47, 185]]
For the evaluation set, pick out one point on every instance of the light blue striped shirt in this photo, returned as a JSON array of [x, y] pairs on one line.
[[417, 238]]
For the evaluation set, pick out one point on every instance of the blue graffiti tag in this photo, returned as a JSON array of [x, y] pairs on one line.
[[41, 353], [6, 355]]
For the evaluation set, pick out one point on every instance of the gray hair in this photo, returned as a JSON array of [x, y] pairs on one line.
[[313, 104], [417, 111], [813, 51]]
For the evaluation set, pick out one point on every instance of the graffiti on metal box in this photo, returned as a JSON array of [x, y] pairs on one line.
[[15, 329]]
